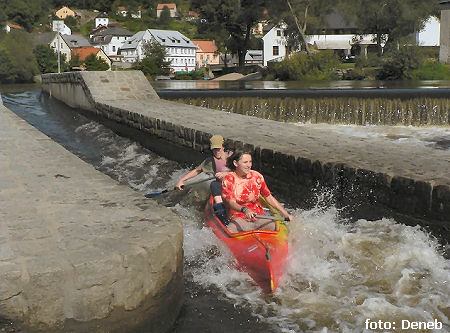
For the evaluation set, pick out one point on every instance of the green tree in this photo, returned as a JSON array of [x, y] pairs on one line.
[[164, 17], [154, 62], [388, 20], [18, 64], [46, 58], [92, 63], [233, 20]]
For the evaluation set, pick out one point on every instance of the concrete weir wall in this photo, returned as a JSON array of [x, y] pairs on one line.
[[412, 181], [78, 251]]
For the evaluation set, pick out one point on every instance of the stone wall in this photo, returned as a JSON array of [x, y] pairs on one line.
[[407, 181], [79, 252]]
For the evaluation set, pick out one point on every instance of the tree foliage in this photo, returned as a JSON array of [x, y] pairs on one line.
[[154, 62], [232, 20], [93, 63], [17, 61], [389, 20]]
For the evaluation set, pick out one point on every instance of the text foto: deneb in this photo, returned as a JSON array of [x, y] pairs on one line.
[[420, 325]]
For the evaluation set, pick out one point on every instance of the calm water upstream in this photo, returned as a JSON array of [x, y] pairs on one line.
[[340, 274]]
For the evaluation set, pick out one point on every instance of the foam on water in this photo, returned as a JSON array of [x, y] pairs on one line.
[[338, 275]]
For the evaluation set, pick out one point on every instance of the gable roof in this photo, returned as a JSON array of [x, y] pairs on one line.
[[75, 40], [84, 52], [206, 46], [171, 38], [168, 5], [42, 38], [114, 31], [13, 25]]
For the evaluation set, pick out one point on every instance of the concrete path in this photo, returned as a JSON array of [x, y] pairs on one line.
[[78, 251]]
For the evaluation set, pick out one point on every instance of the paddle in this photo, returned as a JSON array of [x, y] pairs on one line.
[[273, 218], [158, 193]]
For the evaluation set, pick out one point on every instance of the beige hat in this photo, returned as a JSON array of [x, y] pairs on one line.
[[216, 141]]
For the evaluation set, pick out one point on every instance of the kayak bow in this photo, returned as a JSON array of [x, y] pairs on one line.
[[260, 253]]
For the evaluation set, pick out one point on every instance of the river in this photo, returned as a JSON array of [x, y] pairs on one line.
[[341, 276]]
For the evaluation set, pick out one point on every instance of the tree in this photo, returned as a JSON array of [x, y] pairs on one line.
[[92, 63], [46, 58], [234, 19], [18, 64], [164, 17], [388, 20], [154, 62]]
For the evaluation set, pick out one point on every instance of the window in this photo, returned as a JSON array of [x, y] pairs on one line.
[[114, 48], [276, 50], [278, 32]]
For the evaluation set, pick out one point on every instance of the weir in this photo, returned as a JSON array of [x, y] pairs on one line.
[[407, 107], [409, 181]]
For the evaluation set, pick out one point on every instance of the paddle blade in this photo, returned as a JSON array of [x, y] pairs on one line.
[[155, 193]]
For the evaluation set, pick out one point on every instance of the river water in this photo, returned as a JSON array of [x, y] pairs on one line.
[[341, 276]]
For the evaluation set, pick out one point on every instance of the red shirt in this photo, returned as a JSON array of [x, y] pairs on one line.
[[245, 192]]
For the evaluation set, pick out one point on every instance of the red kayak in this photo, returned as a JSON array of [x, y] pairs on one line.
[[260, 253]]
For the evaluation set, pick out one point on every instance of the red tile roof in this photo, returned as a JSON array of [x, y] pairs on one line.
[[206, 46], [168, 5], [84, 52]]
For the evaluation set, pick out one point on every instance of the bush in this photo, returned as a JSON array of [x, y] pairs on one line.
[[301, 66], [431, 70], [372, 60], [17, 61], [193, 75], [400, 64]]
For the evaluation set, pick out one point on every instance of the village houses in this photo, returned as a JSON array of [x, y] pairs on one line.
[[83, 52], [64, 12], [207, 53], [124, 11], [65, 44], [181, 51], [110, 40]]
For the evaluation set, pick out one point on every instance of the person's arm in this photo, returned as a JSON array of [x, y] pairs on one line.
[[274, 203], [249, 214], [187, 176]]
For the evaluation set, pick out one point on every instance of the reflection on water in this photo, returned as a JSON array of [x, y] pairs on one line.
[[211, 84]]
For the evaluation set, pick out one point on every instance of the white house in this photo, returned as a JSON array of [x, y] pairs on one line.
[[101, 19], [181, 51], [275, 43], [110, 40], [429, 35], [65, 43], [59, 26]]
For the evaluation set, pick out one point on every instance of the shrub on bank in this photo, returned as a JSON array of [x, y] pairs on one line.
[[431, 70], [400, 64], [301, 66]]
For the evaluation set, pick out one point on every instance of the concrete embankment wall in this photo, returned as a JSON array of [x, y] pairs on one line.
[[408, 180], [78, 251]]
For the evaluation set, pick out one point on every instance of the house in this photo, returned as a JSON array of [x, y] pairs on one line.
[[429, 35], [59, 26], [207, 53], [192, 16], [110, 40], [123, 11], [12, 26], [85, 51], [170, 6], [64, 12], [101, 20], [181, 51], [275, 43], [65, 43]]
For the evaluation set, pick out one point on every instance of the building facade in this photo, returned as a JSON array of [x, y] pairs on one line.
[[181, 51], [275, 43]]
